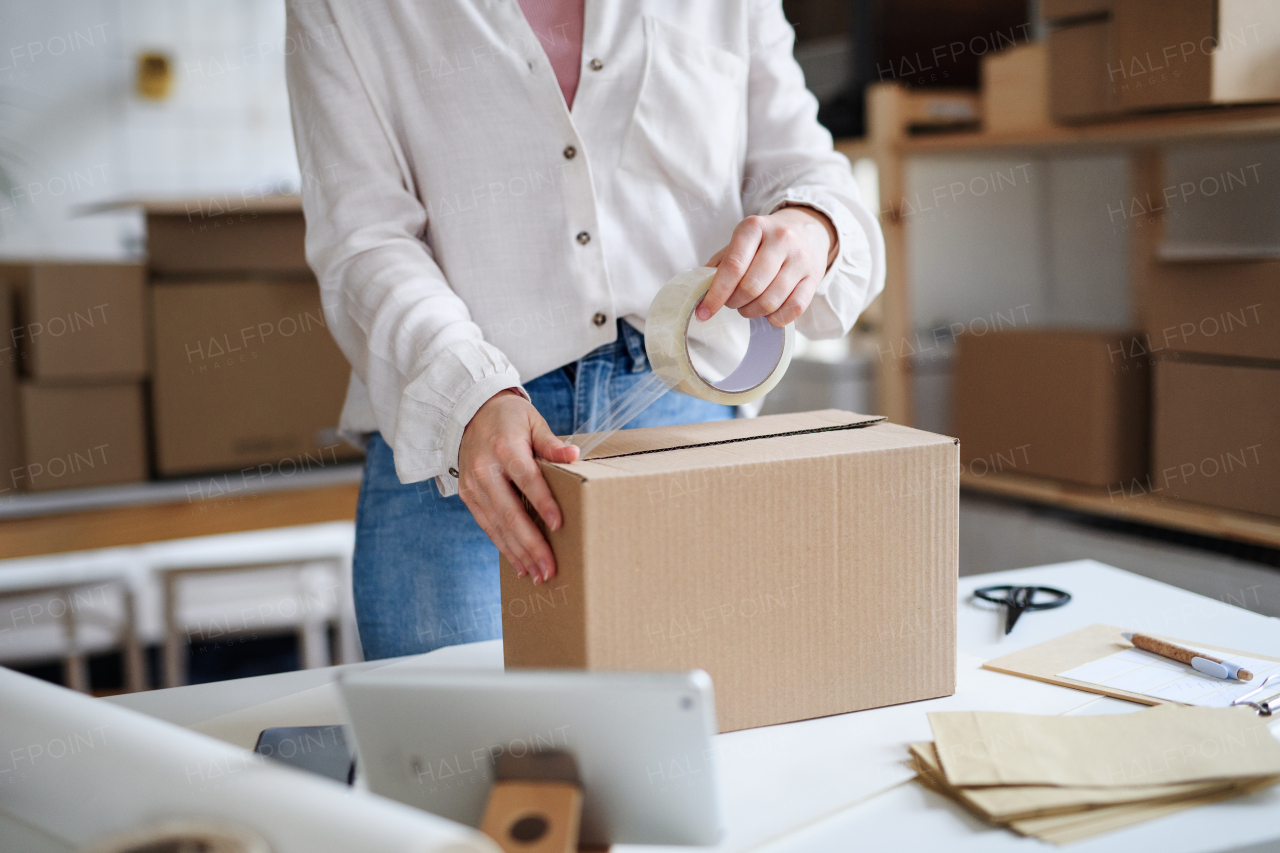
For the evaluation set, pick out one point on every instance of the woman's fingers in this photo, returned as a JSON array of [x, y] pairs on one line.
[[762, 275], [797, 303], [481, 509], [733, 263], [547, 445], [777, 293], [525, 546]]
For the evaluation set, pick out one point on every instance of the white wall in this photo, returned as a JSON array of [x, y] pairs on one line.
[[73, 132], [1022, 237]]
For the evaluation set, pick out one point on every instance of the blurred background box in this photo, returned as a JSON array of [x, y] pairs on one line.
[[1216, 433], [1224, 309], [224, 235], [1134, 55], [77, 322], [1015, 89], [246, 373], [81, 435], [1078, 58], [1070, 404], [1196, 53], [1058, 11]]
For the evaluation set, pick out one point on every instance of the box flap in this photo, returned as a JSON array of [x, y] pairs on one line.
[[630, 442], [640, 447]]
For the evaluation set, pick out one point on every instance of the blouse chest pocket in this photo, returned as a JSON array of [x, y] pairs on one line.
[[688, 124]]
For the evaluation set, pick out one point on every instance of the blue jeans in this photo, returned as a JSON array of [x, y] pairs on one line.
[[426, 575]]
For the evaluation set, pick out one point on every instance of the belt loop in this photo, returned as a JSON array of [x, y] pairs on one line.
[[635, 346]]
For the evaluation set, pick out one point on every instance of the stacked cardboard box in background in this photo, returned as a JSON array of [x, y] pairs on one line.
[[1067, 404], [1216, 398], [78, 338], [247, 375], [1216, 434], [224, 327], [1108, 57]]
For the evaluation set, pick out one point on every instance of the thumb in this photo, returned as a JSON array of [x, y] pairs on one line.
[[548, 446]]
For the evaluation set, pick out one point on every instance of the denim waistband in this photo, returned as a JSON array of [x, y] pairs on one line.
[[627, 350]]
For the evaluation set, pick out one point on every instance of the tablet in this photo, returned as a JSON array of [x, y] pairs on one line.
[[642, 742]]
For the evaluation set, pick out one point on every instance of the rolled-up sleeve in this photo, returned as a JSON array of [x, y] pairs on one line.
[[790, 160], [410, 339]]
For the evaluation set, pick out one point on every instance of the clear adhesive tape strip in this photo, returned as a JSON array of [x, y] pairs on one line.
[[666, 343]]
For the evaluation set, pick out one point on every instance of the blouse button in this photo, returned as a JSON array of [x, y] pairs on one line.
[[599, 319], [596, 65], [584, 238], [570, 152], [453, 472]]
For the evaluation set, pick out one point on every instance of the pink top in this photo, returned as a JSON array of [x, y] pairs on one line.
[[558, 26]]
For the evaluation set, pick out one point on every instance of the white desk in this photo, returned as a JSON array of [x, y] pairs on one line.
[[837, 783]]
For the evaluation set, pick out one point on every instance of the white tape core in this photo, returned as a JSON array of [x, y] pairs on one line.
[[666, 337]]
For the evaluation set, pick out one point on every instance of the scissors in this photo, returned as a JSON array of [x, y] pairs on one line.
[[1017, 599]]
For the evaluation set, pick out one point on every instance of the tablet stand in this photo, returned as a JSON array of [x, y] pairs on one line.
[[535, 804]]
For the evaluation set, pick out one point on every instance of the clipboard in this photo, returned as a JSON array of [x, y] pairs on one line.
[[1044, 661]]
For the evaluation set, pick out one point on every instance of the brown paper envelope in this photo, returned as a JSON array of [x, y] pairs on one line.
[[1012, 803], [1065, 829], [1044, 661], [1165, 745]]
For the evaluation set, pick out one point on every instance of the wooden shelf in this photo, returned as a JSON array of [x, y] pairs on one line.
[[1133, 131], [1142, 508], [136, 524]]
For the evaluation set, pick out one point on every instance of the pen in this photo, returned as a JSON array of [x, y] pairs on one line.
[[1196, 660]]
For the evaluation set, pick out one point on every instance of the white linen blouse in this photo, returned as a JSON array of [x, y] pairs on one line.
[[470, 232]]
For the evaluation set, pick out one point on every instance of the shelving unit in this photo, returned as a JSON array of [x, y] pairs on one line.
[[891, 144], [1140, 508], [151, 512]]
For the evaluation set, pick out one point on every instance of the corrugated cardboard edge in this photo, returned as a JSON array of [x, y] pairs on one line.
[[1043, 661], [580, 470], [563, 597]]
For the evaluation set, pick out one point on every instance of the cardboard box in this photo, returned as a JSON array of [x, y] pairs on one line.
[[1078, 58], [224, 235], [1062, 10], [1195, 53], [1136, 55], [1216, 434], [246, 374], [1054, 403], [10, 434], [76, 436], [1015, 89], [78, 322], [1229, 309], [796, 558]]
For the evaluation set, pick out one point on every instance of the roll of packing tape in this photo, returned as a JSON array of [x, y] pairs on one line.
[[666, 341]]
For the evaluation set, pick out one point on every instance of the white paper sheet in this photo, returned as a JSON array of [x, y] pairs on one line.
[[1140, 671]]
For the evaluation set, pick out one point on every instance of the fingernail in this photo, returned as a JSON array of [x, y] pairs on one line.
[[536, 580], [543, 569], [703, 314]]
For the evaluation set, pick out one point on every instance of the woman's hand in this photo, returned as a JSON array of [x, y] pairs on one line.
[[495, 459], [772, 265]]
